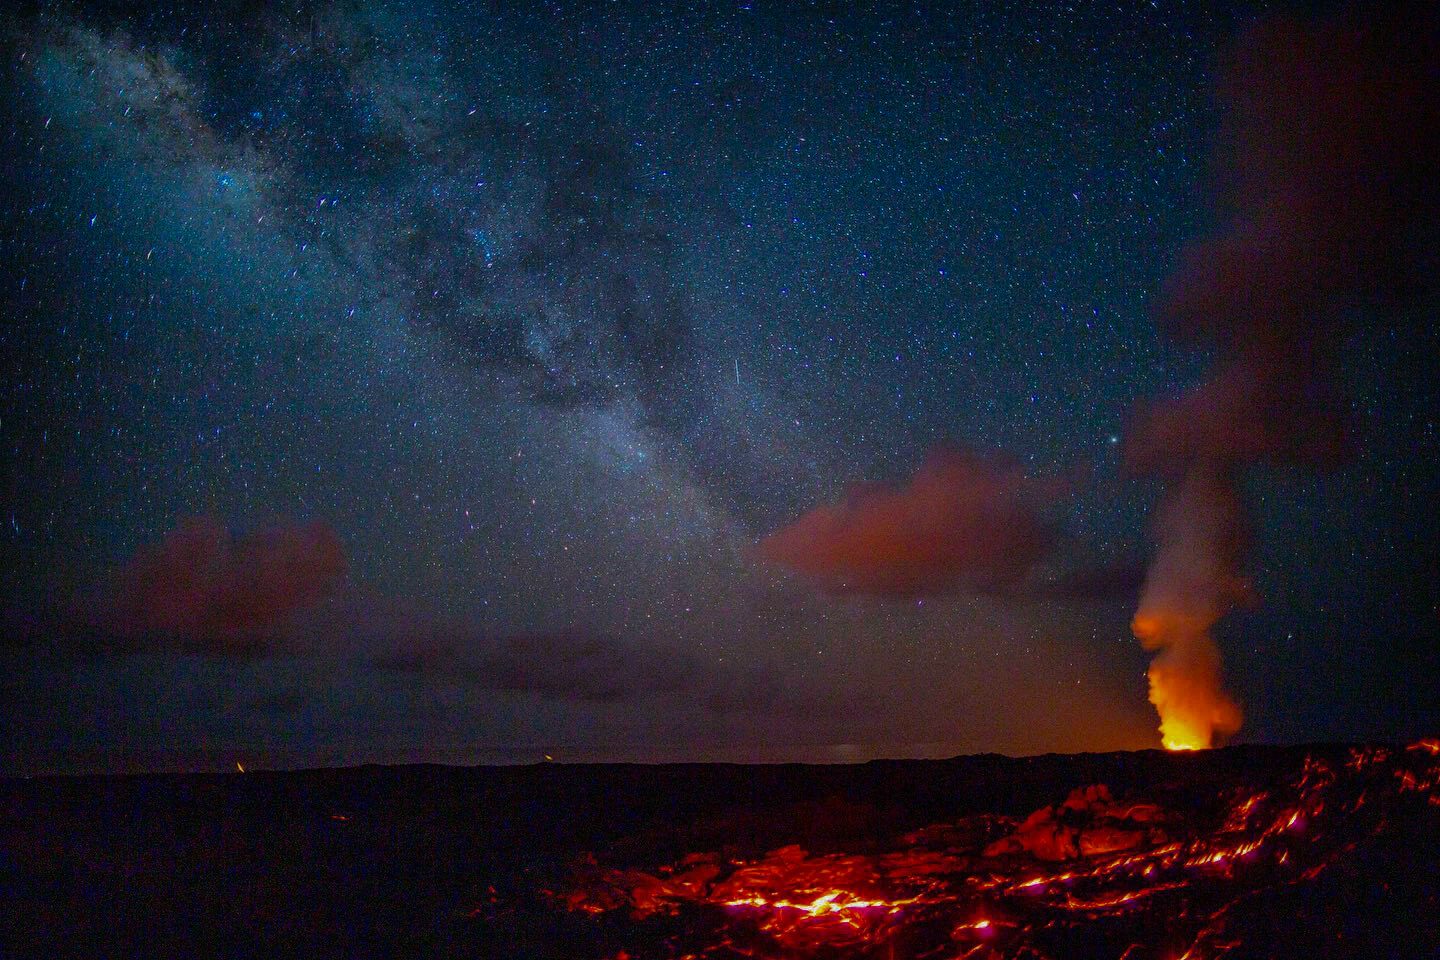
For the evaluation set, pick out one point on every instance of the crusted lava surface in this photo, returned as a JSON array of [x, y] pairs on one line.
[[1320, 851]]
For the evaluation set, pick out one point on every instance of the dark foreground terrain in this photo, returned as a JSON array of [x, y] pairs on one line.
[[1326, 851]]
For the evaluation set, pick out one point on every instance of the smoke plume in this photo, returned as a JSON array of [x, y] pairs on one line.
[[1326, 135], [1192, 583]]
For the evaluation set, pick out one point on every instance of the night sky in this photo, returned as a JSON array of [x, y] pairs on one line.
[[465, 382]]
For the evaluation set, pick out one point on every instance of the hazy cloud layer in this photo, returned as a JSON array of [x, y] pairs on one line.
[[585, 666], [569, 666], [278, 592]]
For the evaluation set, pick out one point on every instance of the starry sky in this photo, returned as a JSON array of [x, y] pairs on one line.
[[427, 380]]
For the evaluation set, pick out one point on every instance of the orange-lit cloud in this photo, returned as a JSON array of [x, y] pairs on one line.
[[964, 521]]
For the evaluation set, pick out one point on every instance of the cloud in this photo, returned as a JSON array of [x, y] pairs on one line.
[[278, 592], [203, 589], [963, 522], [580, 665]]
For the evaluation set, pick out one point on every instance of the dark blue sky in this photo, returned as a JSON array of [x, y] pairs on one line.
[[543, 318]]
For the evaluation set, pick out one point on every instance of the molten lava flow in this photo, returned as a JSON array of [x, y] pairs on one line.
[[1092, 876]]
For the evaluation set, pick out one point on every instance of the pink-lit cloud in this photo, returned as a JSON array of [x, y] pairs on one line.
[[203, 588], [963, 522]]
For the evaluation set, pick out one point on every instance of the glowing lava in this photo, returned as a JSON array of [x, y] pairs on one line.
[[1193, 581], [1123, 878]]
